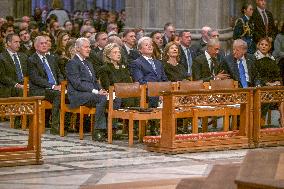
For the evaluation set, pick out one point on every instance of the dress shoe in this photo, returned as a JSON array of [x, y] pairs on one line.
[[99, 135]]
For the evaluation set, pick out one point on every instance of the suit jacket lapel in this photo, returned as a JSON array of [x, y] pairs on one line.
[[149, 65], [9, 60]]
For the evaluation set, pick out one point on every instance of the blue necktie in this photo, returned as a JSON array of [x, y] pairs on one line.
[[152, 64], [242, 74], [18, 68], [189, 61], [51, 79]]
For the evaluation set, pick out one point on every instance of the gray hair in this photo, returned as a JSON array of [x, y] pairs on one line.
[[210, 32], [240, 43], [141, 40], [213, 42], [107, 50], [80, 41]]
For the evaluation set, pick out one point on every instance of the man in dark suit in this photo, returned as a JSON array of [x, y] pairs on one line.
[[241, 66], [26, 42], [206, 66], [263, 22], [13, 68], [187, 52], [45, 79], [83, 88], [96, 54], [145, 69], [128, 48], [169, 32]]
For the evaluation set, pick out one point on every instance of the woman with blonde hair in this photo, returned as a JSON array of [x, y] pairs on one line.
[[174, 70], [114, 72]]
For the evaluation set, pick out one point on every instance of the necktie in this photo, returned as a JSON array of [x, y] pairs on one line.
[[189, 61], [87, 67], [213, 65], [51, 79], [265, 18], [152, 64], [18, 68], [242, 74]]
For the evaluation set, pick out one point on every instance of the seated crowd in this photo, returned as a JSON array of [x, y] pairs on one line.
[[94, 54]]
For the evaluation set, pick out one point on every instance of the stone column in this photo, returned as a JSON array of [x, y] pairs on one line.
[[185, 14]]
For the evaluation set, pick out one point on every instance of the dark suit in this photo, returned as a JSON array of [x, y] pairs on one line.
[[200, 47], [27, 50], [8, 74], [80, 86], [142, 71], [165, 41], [259, 27], [39, 85], [131, 56], [183, 58], [96, 58], [201, 70], [230, 67]]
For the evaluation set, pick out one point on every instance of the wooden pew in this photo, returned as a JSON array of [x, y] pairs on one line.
[[267, 136], [22, 155], [171, 143]]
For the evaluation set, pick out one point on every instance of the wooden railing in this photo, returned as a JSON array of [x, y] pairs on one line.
[[169, 142], [267, 136], [22, 155]]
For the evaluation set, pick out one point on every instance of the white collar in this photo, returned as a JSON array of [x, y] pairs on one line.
[[260, 10], [81, 59], [258, 55], [40, 56], [147, 58], [11, 53], [208, 57]]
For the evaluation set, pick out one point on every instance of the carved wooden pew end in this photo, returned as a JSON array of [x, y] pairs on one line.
[[31, 153]]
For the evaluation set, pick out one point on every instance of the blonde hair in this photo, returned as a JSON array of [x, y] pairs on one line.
[[108, 48], [166, 50], [57, 4]]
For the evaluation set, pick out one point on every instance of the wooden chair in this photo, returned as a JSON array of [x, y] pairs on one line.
[[233, 111], [127, 90], [153, 90], [205, 112], [186, 86], [82, 110]]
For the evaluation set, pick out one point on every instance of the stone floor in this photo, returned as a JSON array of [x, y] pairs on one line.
[[70, 163]]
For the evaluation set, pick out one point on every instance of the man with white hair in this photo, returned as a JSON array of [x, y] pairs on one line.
[[145, 69], [45, 79], [83, 88], [201, 45], [241, 66]]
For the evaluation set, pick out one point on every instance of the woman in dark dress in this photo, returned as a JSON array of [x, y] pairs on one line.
[[174, 70], [268, 70], [113, 71]]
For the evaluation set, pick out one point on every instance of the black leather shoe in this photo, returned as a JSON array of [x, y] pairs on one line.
[[99, 135]]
